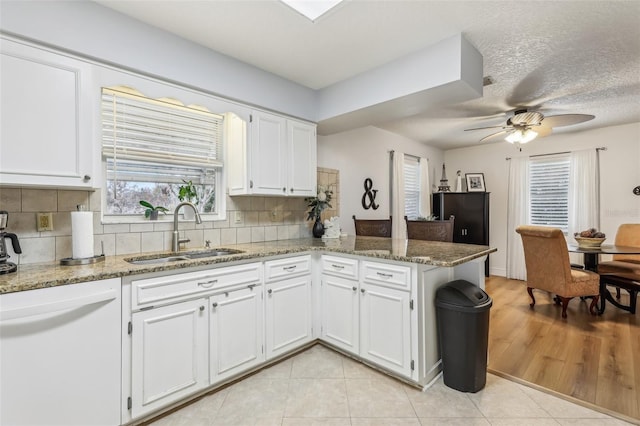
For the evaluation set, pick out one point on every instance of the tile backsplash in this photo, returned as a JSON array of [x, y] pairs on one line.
[[262, 219]]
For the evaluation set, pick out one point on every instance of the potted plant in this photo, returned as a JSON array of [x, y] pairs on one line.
[[187, 192], [152, 212], [316, 205]]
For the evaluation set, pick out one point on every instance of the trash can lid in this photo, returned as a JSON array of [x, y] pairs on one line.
[[461, 295]]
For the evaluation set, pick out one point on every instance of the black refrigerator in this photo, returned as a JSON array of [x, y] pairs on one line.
[[471, 211]]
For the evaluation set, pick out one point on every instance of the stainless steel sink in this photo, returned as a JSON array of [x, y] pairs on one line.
[[172, 257]]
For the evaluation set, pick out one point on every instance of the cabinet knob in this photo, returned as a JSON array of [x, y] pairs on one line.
[[215, 304], [269, 291], [354, 288], [362, 290], [284, 189], [291, 190], [201, 308], [86, 178]]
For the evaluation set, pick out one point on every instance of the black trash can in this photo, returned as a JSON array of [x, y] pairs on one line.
[[462, 310]]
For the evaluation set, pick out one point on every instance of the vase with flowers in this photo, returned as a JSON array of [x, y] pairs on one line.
[[316, 205]]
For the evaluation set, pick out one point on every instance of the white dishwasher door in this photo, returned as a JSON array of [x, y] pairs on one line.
[[60, 355]]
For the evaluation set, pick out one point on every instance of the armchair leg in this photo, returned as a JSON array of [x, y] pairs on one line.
[[565, 303], [533, 299], [593, 308]]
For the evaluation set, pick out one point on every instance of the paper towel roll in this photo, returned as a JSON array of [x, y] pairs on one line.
[[82, 234]]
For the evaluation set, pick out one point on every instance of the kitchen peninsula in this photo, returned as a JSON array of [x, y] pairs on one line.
[[216, 319]]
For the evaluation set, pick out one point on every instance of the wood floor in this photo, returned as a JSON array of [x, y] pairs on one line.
[[595, 359]]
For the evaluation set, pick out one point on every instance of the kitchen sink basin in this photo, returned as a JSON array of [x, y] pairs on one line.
[[172, 257]]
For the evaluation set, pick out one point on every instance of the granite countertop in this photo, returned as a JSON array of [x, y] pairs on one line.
[[42, 275]]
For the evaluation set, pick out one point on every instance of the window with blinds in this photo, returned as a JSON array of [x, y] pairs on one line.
[[153, 146], [411, 187], [549, 191]]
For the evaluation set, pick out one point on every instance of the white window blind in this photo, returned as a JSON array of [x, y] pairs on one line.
[[549, 191], [150, 140], [411, 187]]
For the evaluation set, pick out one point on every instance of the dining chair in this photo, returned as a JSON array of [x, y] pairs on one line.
[[436, 230], [624, 269], [373, 227], [548, 268]]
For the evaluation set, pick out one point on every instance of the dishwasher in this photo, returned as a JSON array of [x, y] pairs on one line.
[[60, 355]]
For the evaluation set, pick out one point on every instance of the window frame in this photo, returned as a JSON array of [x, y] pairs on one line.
[[414, 163], [219, 187]]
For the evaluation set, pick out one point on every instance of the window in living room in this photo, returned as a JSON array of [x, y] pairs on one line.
[[549, 190]]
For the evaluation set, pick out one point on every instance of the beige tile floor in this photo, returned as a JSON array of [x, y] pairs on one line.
[[322, 387]]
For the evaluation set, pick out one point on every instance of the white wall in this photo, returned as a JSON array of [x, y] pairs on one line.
[[364, 153], [97, 32], [619, 174]]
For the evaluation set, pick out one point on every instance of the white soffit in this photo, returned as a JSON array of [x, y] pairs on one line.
[[448, 71]]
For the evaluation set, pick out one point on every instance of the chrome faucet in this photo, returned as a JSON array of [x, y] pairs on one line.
[[175, 245]]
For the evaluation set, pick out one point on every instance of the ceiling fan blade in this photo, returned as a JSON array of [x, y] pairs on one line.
[[566, 119], [484, 128], [494, 135], [542, 130]]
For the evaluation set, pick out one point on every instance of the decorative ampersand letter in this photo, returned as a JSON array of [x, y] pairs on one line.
[[369, 194]]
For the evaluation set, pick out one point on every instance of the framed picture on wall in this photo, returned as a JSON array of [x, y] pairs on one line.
[[475, 182]]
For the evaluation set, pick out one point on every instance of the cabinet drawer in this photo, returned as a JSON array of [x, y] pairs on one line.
[[385, 274], [175, 287], [340, 267], [287, 268]]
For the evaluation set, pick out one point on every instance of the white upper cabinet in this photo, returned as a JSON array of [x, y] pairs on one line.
[[276, 156], [45, 110]]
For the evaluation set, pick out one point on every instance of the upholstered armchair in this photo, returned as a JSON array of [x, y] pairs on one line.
[[548, 268], [373, 227], [628, 235]]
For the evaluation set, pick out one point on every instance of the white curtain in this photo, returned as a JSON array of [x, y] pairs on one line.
[[398, 228], [584, 193], [517, 214], [425, 188]]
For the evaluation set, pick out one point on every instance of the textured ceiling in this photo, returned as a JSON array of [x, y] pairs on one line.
[[556, 57]]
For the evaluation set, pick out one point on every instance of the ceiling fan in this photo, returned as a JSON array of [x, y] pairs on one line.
[[525, 125]]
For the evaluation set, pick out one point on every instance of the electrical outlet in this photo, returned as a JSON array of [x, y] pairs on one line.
[[238, 217], [44, 222]]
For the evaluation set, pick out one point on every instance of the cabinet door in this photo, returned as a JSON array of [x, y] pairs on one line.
[[268, 154], [45, 137], [288, 315], [385, 328], [302, 176], [340, 313], [169, 354], [235, 330]]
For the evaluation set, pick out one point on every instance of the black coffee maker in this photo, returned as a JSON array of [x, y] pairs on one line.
[[6, 267]]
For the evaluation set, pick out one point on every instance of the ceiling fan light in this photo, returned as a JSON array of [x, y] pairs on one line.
[[521, 136]]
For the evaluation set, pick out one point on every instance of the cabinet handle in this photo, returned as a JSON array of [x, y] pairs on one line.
[[362, 290], [291, 190], [337, 266], [250, 184], [284, 189], [251, 286], [215, 304], [354, 288], [290, 268], [201, 308], [207, 284], [86, 178], [269, 291], [383, 275]]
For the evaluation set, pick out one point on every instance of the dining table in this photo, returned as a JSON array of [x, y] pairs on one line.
[[591, 257]]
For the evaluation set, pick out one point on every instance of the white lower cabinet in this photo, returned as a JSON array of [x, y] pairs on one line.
[[340, 313], [385, 327], [169, 354], [288, 308], [235, 332], [370, 317]]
